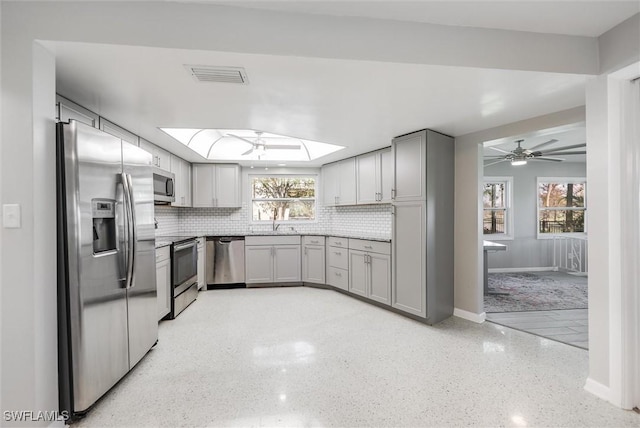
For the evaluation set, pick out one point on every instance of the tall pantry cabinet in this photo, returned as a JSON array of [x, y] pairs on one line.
[[422, 255]]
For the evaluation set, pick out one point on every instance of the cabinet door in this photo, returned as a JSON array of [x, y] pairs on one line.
[[330, 184], [347, 182], [163, 286], [186, 182], [176, 168], [201, 264], [227, 186], [313, 264], [408, 290], [367, 184], [148, 147], [117, 131], [379, 278], [164, 158], [68, 110], [409, 169], [258, 264], [287, 263], [358, 272], [385, 175], [203, 185]]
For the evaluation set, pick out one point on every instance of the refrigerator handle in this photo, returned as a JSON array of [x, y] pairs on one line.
[[134, 234], [122, 241], [127, 205]]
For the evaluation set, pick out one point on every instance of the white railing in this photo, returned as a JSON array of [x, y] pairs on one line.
[[570, 253]]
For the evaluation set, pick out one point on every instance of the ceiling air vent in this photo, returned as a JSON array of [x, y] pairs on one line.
[[206, 73]]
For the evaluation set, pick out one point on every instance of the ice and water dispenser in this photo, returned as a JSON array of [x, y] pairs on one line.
[[103, 212]]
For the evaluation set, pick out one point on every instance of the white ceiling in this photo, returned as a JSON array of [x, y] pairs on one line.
[[358, 104], [579, 18]]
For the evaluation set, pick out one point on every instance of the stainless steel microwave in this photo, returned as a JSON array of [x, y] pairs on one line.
[[163, 186]]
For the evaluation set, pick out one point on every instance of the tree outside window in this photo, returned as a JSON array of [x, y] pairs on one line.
[[496, 202], [561, 205], [283, 198]]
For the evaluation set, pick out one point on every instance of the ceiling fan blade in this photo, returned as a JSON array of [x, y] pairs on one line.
[[242, 139], [248, 152], [495, 162], [551, 141], [542, 158], [494, 157], [559, 149], [281, 147], [567, 153], [499, 150]]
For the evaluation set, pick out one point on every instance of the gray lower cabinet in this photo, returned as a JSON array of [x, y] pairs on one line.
[[163, 281], [272, 259], [370, 270], [337, 261], [313, 259]]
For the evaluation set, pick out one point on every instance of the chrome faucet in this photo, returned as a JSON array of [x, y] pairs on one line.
[[275, 216]]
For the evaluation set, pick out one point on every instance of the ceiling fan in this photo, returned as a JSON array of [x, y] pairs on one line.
[[520, 155], [260, 146]]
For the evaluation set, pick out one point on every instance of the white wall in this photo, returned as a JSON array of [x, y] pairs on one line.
[[526, 250]]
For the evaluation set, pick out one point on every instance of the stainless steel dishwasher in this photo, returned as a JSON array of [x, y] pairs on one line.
[[225, 261]]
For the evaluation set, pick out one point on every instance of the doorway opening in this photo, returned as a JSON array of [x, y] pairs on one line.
[[535, 237]]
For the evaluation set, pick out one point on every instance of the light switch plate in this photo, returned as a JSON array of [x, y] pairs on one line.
[[11, 216]]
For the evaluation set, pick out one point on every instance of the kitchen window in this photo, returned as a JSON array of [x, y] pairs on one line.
[[497, 214], [562, 206], [283, 197]]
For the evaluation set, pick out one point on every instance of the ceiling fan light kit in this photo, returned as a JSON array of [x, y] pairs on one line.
[[520, 156]]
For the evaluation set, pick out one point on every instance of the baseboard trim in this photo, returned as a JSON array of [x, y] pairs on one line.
[[597, 389], [523, 269], [469, 316]]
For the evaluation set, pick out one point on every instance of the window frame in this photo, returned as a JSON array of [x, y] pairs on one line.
[[508, 234], [251, 199], [560, 180]]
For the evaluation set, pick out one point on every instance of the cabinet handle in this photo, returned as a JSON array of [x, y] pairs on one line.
[[337, 253], [369, 247], [393, 193], [338, 273], [338, 242]]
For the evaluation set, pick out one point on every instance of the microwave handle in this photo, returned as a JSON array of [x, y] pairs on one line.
[[170, 187]]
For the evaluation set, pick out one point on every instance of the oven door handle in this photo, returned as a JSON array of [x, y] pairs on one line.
[[183, 246]]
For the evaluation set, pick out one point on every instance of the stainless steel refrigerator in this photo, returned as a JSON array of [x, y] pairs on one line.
[[106, 262]]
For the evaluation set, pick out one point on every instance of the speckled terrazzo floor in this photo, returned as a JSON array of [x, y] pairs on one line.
[[309, 357]]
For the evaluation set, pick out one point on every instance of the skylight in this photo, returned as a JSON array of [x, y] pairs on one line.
[[247, 144]]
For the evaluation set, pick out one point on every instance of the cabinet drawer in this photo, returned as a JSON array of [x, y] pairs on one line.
[[162, 253], [272, 240], [370, 246], [338, 278], [338, 242], [338, 257], [313, 240]]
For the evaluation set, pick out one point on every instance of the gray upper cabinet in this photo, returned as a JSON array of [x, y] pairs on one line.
[[339, 183], [422, 256], [182, 185], [409, 167], [216, 185], [161, 157], [117, 131], [374, 177], [67, 110]]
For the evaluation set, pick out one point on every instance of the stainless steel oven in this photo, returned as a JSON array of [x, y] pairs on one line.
[[184, 273]]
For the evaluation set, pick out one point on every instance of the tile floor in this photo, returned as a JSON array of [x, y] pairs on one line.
[[309, 357], [565, 325]]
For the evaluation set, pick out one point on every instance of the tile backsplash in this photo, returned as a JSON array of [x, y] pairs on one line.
[[367, 220]]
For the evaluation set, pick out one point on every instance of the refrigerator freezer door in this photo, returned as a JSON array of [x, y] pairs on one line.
[[95, 323], [143, 323]]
